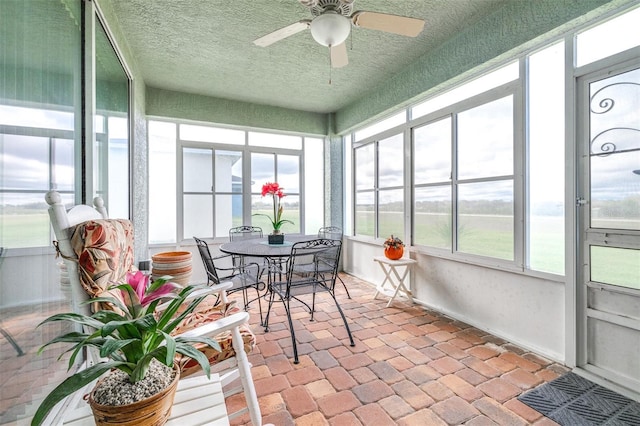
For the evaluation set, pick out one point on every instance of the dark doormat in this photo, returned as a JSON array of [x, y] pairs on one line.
[[571, 400]]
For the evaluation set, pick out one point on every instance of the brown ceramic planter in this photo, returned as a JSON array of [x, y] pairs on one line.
[[153, 411]]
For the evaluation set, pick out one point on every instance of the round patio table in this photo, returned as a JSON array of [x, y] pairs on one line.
[[274, 254], [260, 247]]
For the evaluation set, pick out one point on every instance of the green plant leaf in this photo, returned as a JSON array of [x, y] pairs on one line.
[[178, 320], [171, 348], [106, 315], [147, 323], [111, 300], [69, 386], [200, 339], [127, 326], [72, 337], [112, 345], [191, 352], [75, 318]]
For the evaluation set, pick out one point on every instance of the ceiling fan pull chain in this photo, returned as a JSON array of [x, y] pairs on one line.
[[330, 66]]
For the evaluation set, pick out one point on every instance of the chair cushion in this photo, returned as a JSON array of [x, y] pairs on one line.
[[105, 254], [206, 312]]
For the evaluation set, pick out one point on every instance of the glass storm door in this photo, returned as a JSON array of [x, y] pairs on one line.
[[609, 217]]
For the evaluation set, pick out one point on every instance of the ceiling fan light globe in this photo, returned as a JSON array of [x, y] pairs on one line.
[[330, 28]]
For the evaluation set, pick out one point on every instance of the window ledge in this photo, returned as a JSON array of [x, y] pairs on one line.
[[485, 262]]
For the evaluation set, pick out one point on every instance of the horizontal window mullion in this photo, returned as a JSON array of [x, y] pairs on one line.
[[432, 184], [31, 191], [484, 179], [385, 188], [36, 131]]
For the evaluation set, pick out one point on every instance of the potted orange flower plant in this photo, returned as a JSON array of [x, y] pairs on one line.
[[393, 248]]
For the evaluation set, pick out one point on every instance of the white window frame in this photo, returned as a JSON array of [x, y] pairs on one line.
[[246, 150]]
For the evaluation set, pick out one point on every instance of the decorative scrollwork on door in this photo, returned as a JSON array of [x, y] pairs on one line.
[[614, 114]]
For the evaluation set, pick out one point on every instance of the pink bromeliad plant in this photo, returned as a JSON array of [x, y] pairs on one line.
[[277, 193], [139, 292], [130, 336]]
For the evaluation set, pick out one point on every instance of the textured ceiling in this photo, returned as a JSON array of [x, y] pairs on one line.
[[206, 47]]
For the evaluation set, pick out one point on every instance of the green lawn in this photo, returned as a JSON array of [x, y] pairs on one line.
[[25, 230], [490, 236]]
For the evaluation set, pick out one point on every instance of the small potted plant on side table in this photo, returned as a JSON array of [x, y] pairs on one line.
[[393, 248]]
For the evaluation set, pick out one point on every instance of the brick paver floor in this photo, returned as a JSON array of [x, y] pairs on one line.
[[409, 366]]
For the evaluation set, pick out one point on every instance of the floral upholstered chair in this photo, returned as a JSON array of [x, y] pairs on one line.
[[98, 252]]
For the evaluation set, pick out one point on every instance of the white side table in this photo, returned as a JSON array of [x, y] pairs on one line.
[[393, 277], [198, 401]]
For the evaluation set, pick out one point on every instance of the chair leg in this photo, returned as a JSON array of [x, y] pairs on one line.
[[259, 306], [293, 333], [313, 304], [266, 318], [245, 299], [345, 286], [344, 319]]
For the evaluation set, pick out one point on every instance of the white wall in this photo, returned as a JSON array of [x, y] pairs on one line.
[[524, 310]]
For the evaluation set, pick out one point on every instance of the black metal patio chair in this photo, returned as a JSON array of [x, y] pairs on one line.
[[308, 278]]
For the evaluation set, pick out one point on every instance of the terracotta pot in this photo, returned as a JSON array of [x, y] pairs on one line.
[[174, 263], [153, 411], [171, 256], [394, 253]]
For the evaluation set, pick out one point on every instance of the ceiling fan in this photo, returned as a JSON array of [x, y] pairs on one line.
[[331, 25]]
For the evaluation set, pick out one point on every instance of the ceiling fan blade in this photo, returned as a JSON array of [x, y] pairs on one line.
[[339, 56], [401, 25], [282, 33]]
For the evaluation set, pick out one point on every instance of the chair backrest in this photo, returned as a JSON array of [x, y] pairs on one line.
[[63, 222], [245, 232], [331, 232], [325, 253], [207, 260]]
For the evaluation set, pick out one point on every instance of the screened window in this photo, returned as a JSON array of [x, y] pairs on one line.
[[162, 182], [221, 174], [608, 38], [479, 85], [39, 117], [284, 169], [191, 132], [109, 163], [546, 160], [382, 125], [32, 165], [364, 158], [485, 180], [467, 208], [379, 179], [432, 178]]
